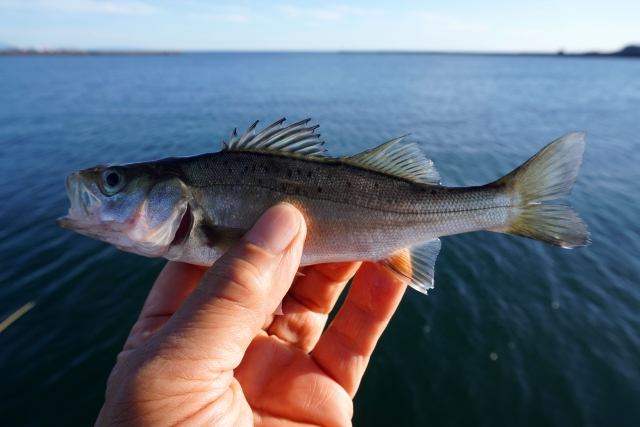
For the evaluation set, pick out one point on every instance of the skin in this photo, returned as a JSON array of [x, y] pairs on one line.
[[206, 349]]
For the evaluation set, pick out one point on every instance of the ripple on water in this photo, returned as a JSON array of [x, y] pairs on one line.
[[477, 117]]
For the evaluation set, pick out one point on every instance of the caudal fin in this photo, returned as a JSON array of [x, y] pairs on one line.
[[548, 175], [556, 225]]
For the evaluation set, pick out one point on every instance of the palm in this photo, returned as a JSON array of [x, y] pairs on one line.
[[283, 383], [278, 380]]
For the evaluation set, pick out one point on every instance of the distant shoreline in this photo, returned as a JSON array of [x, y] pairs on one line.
[[628, 52], [631, 51], [78, 52], [546, 54]]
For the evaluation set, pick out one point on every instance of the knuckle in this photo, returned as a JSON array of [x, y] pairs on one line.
[[236, 283], [239, 273]]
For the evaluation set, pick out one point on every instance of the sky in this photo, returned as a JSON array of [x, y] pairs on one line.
[[438, 25]]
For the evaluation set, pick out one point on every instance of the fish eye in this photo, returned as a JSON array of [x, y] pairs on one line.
[[112, 181]]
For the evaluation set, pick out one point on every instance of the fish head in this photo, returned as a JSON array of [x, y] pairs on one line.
[[137, 207]]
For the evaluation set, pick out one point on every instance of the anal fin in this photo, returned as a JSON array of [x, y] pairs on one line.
[[415, 265]]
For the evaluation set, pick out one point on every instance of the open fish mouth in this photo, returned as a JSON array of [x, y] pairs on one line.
[[84, 212], [133, 229]]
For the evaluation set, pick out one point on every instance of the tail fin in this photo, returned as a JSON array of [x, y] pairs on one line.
[[548, 175], [556, 225]]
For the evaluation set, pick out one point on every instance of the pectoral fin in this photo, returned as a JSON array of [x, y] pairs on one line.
[[415, 265], [221, 237]]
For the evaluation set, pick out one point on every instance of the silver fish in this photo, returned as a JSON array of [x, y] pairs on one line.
[[383, 205]]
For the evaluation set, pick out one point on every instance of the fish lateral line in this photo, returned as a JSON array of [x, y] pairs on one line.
[[385, 204]]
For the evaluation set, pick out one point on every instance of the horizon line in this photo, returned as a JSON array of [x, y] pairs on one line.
[[628, 50], [123, 52]]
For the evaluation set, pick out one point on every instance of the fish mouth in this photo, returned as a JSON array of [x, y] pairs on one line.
[[127, 223], [85, 205]]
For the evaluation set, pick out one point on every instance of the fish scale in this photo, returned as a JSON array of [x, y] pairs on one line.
[[384, 205]]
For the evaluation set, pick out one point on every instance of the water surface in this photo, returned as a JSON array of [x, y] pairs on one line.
[[563, 326]]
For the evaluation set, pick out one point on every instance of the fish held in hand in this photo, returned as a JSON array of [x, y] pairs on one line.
[[384, 205]]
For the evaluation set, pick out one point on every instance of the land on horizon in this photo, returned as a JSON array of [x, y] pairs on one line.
[[96, 52], [628, 51]]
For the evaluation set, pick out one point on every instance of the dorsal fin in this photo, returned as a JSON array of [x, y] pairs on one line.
[[408, 162], [296, 138]]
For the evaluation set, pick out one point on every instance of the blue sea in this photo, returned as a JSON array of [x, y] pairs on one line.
[[514, 333]]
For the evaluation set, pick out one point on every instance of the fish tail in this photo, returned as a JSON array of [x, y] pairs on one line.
[[548, 175], [556, 225]]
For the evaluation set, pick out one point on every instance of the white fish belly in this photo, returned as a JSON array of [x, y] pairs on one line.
[[358, 234]]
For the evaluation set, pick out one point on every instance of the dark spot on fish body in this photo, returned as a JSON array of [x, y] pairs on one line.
[[309, 174], [298, 171], [246, 168], [289, 173], [376, 185], [348, 184], [260, 181], [319, 189], [253, 168], [433, 192]]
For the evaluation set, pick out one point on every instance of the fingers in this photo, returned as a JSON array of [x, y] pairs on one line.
[[343, 351], [282, 381], [309, 302], [226, 310], [173, 285]]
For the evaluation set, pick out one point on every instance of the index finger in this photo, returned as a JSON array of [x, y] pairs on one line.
[[174, 284], [308, 303]]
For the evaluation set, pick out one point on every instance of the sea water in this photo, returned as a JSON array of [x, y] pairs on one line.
[[514, 333]]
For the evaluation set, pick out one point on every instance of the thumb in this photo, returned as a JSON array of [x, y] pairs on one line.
[[227, 309]]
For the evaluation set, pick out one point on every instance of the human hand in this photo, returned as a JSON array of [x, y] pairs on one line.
[[207, 350]]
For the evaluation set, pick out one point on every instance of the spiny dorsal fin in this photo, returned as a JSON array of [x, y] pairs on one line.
[[296, 138], [415, 265], [407, 162]]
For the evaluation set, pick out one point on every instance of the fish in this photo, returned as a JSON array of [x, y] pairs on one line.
[[385, 205]]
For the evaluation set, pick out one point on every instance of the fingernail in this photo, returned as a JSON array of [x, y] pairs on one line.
[[275, 229]]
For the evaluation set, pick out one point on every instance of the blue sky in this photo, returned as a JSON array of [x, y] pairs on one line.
[[488, 26]]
